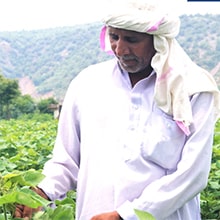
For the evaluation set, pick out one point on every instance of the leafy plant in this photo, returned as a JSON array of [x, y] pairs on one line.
[[14, 188], [28, 143], [210, 196], [64, 209], [143, 215]]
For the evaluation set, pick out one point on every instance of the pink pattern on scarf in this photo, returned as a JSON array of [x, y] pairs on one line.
[[183, 127], [164, 75], [102, 38], [155, 27]]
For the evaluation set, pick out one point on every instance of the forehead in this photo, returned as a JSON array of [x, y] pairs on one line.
[[119, 31]]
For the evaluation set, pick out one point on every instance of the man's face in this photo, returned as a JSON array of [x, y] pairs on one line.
[[134, 50]]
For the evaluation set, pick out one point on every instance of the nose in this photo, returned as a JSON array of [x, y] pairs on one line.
[[121, 48]]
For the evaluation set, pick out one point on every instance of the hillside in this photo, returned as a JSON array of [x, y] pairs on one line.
[[45, 61]]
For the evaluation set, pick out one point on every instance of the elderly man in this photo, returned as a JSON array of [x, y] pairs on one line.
[[135, 132]]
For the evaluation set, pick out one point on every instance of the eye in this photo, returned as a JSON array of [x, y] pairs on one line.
[[113, 36], [132, 39]]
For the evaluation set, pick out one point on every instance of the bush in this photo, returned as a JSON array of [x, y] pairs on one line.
[[210, 197]]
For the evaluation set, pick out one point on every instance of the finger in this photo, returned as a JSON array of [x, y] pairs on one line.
[[18, 211], [27, 212]]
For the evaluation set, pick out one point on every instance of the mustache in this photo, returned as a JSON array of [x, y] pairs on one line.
[[127, 57]]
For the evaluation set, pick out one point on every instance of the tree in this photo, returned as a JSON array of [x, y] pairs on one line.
[[24, 104], [44, 106], [9, 90]]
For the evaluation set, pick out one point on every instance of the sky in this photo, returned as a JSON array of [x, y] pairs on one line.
[[16, 15]]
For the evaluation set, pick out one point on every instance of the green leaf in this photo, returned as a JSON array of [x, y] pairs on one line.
[[25, 197], [218, 164], [2, 217], [214, 185], [37, 198], [18, 197], [63, 212], [10, 176], [27, 178], [33, 177], [142, 215], [66, 201], [40, 215]]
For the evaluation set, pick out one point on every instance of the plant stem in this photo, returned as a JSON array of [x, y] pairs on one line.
[[5, 214]]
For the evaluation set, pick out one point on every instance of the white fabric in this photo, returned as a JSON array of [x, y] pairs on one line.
[[177, 75], [121, 152]]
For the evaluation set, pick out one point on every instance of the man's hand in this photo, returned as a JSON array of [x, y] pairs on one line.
[[107, 216], [25, 212]]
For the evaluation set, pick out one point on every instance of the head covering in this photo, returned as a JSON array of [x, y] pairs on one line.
[[177, 75]]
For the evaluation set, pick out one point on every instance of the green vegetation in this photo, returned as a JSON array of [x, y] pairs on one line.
[[8, 92], [143, 215], [52, 57], [201, 39], [14, 189], [26, 144], [15, 105], [210, 197]]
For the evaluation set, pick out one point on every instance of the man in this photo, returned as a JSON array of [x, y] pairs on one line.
[[135, 132]]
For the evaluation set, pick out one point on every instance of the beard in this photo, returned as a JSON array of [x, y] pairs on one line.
[[132, 64]]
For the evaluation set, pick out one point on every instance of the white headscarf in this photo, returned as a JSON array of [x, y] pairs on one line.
[[177, 75]]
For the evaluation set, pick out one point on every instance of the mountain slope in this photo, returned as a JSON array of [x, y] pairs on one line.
[[51, 58]]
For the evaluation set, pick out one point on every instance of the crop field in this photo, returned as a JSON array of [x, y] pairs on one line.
[[25, 145]]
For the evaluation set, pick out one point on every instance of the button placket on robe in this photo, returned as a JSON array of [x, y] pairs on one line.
[[131, 137]]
